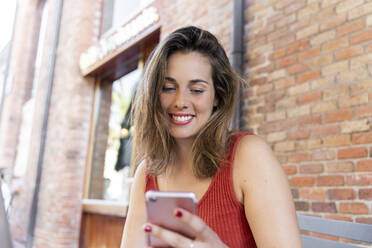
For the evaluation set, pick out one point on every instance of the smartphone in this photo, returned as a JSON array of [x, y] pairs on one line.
[[160, 211]]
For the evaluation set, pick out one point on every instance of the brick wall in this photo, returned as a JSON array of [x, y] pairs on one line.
[[310, 95], [213, 15], [61, 189]]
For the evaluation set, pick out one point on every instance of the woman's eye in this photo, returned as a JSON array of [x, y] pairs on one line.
[[197, 91], [167, 89]]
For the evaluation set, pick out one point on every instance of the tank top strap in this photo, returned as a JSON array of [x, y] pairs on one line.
[[222, 183]]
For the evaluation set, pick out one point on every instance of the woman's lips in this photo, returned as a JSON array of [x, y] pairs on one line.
[[181, 119]]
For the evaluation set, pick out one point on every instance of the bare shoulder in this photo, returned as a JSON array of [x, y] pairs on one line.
[[140, 173], [254, 160], [266, 194]]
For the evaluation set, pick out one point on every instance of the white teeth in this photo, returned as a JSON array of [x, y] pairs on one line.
[[181, 118]]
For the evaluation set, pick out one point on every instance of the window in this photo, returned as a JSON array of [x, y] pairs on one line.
[[117, 12], [110, 170]]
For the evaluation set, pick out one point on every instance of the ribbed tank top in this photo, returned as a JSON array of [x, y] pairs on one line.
[[219, 207]]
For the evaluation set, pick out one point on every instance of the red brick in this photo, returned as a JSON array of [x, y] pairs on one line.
[[307, 181], [299, 134], [353, 152], [335, 180], [313, 194], [287, 19], [309, 54], [333, 22], [287, 61], [258, 81], [266, 69], [365, 220], [279, 53], [301, 206], [300, 24], [336, 44], [351, 27], [310, 97], [359, 180], [275, 96], [326, 130], [365, 194], [310, 120], [297, 46], [299, 156], [256, 61], [284, 41], [311, 168], [349, 53], [337, 167], [297, 68], [335, 141], [324, 207], [362, 138], [338, 217], [309, 144], [308, 76], [353, 208], [341, 194], [276, 126], [298, 4], [284, 83], [323, 155], [262, 89], [339, 115], [283, 3], [364, 165], [361, 37], [361, 86], [290, 169]]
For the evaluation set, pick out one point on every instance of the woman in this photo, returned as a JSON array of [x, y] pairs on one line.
[[181, 112]]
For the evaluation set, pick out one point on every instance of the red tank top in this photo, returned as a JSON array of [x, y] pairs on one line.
[[219, 207]]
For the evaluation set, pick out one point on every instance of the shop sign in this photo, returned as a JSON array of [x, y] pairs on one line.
[[106, 46]]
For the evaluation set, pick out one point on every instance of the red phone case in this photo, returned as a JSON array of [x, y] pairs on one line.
[[160, 211]]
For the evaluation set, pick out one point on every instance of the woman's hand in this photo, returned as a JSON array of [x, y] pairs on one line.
[[205, 236]]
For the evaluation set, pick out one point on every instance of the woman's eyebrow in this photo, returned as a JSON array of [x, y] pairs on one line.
[[170, 79], [192, 81]]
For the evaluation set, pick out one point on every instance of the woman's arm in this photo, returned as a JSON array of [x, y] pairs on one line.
[[267, 198], [133, 235]]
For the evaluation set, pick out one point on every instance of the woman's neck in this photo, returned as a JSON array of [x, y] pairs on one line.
[[183, 149]]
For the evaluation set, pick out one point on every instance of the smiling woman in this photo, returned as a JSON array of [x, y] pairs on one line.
[[188, 94], [182, 111]]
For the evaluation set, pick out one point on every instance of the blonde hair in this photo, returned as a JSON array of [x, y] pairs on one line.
[[152, 140]]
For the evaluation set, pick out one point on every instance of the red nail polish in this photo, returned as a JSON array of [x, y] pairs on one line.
[[148, 228], [179, 214]]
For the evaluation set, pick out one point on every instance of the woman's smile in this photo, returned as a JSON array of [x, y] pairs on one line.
[[181, 118]]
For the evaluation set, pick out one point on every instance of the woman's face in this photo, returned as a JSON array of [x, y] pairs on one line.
[[188, 94]]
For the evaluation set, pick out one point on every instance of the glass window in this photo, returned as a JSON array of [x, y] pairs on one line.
[[113, 140], [117, 12]]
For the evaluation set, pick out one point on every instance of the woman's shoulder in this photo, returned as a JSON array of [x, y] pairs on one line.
[[141, 171], [253, 151]]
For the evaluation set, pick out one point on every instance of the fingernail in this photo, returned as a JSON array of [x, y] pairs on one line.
[[148, 228], [179, 214]]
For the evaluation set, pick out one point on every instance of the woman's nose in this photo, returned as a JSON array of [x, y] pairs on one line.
[[180, 101]]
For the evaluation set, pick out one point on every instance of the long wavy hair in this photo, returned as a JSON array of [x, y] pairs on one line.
[[151, 139]]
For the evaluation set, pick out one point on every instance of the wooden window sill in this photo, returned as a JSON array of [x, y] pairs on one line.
[[105, 207]]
